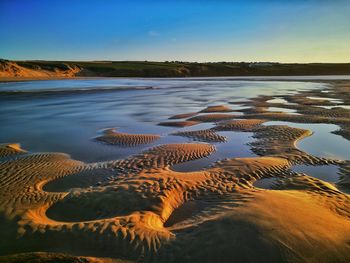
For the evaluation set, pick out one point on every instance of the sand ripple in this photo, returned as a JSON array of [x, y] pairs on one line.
[[111, 136]]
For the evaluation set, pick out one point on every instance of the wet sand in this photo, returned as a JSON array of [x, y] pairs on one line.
[[139, 209]]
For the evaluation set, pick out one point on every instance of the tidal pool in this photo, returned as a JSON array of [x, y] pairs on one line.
[[322, 143], [266, 183], [337, 101], [235, 146], [347, 107], [327, 173], [285, 110]]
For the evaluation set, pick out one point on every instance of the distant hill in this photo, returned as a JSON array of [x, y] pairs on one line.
[[49, 69]]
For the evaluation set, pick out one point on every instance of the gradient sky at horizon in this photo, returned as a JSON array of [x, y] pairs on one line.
[[251, 30]]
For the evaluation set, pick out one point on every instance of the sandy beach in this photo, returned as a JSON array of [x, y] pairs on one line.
[[139, 209]]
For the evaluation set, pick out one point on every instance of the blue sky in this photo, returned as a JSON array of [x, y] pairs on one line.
[[256, 30]]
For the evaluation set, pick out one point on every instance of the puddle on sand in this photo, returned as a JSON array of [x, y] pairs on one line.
[[278, 109], [338, 101], [322, 143], [235, 146], [239, 107], [327, 173], [280, 100], [347, 107], [266, 183]]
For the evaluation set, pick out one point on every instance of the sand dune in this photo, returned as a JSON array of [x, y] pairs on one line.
[[9, 69]]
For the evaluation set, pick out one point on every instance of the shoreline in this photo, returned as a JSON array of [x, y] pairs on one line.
[[306, 78]]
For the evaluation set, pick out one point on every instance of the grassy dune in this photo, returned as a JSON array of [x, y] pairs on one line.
[[165, 69]]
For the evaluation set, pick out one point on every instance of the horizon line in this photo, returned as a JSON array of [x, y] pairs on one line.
[[178, 61]]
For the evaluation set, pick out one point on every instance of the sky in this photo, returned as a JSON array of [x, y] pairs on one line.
[[203, 31]]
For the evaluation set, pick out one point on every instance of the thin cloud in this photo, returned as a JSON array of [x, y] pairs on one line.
[[153, 33]]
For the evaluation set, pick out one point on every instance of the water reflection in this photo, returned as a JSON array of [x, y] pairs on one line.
[[285, 110], [322, 143], [68, 121], [235, 146], [267, 183], [327, 173]]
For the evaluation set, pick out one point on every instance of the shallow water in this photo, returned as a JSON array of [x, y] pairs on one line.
[[266, 183], [66, 115], [327, 173], [278, 109], [277, 100], [281, 101], [347, 107], [235, 146], [322, 143], [336, 101]]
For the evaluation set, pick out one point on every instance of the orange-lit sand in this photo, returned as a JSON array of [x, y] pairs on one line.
[[11, 70], [219, 108]]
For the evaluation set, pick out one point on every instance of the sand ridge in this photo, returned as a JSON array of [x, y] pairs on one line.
[[208, 135], [112, 136]]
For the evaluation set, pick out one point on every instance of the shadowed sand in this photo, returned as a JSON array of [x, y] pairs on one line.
[[138, 209], [178, 123], [212, 117]]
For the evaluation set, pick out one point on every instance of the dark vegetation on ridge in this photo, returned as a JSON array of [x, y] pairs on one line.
[[185, 69]]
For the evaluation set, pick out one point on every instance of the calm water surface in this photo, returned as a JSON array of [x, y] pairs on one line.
[[66, 115], [322, 143]]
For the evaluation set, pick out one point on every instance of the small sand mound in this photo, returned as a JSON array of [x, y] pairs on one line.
[[178, 123], [111, 136], [183, 115], [219, 108], [239, 125], [10, 149], [212, 117], [170, 154], [208, 135]]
